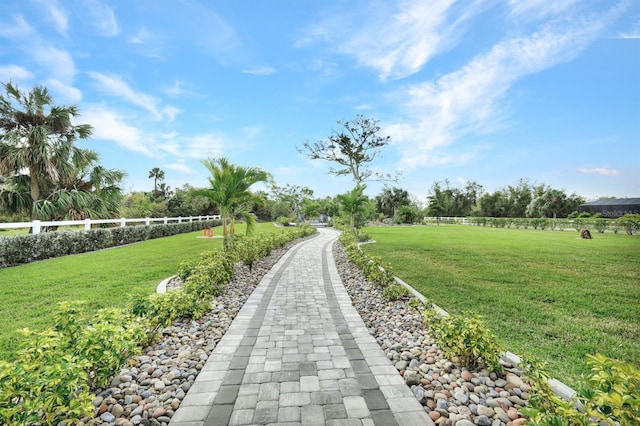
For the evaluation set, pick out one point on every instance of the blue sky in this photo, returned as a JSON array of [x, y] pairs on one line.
[[487, 91]]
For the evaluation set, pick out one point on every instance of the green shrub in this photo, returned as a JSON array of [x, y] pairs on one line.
[[465, 338], [166, 307], [630, 223], [396, 292], [610, 395], [52, 379]]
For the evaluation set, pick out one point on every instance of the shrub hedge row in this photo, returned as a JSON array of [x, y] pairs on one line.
[[19, 249], [629, 223]]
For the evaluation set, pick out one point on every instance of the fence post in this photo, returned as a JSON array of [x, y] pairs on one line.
[[35, 226], [87, 224], [165, 220], [147, 221], [123, 222]]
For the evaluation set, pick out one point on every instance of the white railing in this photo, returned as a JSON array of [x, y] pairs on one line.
[[37, 225], [434, 219]]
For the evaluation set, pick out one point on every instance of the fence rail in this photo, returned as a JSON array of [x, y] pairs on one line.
[[37, 225]]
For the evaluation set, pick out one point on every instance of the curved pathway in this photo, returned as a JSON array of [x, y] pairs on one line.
[[299, 353]]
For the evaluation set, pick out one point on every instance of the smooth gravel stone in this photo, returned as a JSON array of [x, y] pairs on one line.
[[483, 421], [485, 411], [107, 417], [464, 422], [401, 365]]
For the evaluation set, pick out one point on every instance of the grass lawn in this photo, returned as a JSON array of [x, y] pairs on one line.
[[550, 295], [29, 294]]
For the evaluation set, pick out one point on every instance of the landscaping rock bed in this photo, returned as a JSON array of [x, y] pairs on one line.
[[451, 395], [149, 391]]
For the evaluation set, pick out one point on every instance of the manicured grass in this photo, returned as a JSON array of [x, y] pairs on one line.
[[550, 295], [29, 294]]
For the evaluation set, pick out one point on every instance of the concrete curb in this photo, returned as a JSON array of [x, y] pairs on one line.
[[162, 287]]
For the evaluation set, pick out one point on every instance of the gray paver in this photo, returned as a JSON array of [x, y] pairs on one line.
[[298, 353]]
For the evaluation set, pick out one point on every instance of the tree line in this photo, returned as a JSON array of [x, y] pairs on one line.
[[44, 175]]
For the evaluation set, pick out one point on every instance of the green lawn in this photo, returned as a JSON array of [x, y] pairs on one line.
[[550, 295], [29, 294]]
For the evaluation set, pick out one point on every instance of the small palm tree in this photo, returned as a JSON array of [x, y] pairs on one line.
[[353, 202], [230, 190]]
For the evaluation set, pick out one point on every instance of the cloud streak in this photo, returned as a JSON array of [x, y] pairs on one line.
[[400, 39], [115, 86], [469, 100], [599, 171]]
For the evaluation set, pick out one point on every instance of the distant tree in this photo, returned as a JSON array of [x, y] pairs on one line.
[[390, 199], [230, 190], [444, 200], [353, 148], [184, 202], [554, 203], [158, 176], [294, 196], [37, 147], [406, 214]]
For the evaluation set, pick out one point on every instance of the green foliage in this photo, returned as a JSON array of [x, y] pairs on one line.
[[396, 292], [19, 249], [610, 395], [630, 223], [414, 303], [465, 338], [163, 308], [57, 368]]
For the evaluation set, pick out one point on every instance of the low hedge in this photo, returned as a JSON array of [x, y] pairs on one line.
[[19, 249]]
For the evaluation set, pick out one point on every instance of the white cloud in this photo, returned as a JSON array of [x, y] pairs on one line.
[[203, 146], [260, 71], [102, 17], [110, 126], [142, 36], [18, 29], [14, 73], [115, 86], [58, 61], [397, 41], [57, 14], [175, 90], [599, 171], [536, 9], [469, 100], [180, 167], [66, 93]]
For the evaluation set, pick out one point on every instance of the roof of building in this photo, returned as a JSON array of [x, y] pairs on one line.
[[615, 202]]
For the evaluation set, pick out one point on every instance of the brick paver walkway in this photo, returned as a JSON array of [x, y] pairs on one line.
[[299, 353]]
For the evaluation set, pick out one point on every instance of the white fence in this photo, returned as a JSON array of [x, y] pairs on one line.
[[37, 225]]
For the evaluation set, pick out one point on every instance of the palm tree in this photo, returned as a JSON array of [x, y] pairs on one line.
[[36, 141], [84, 190], [158, 175], [353, 202], [229, 189]]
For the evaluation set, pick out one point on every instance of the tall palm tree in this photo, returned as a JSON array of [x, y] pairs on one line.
[[36, 139], [230, 190], [158, 175]]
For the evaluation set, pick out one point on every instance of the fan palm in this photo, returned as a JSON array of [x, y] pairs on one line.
[[36, 141]]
